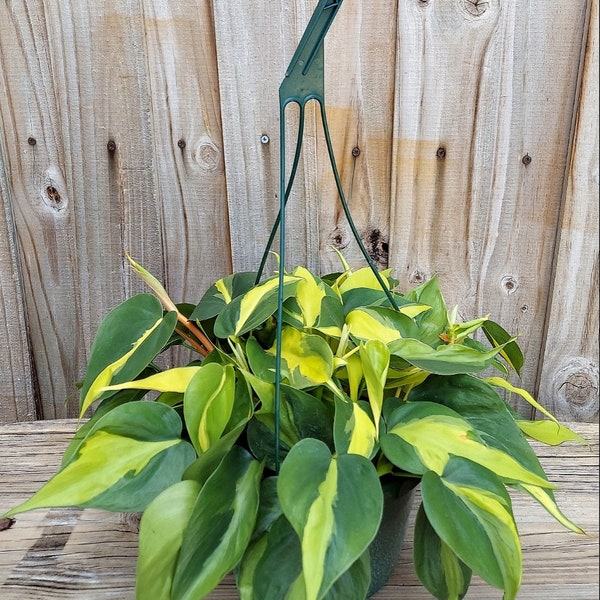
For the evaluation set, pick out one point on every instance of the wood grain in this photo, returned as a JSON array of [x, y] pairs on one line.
[[474, 95], [91, 554], [569, 381], [188, 144], [359, 91], [442, 101], [17, 374]]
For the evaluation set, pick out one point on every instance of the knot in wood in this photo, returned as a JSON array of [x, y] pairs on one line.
[[475, 8], [417, 277], [207, 155], [509, 284]]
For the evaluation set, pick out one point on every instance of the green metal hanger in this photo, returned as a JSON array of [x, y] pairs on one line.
[[304, 81]]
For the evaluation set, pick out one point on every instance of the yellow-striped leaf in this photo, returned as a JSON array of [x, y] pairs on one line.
[[132, 454], [334, 518]]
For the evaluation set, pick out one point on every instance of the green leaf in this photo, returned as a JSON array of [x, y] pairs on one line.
[[546, 499], [502, 383], [307, 359], [176, 380], [353, 584], [424, 436], [510, 350], [383, 324], [272, 564], [450, 359], [220, 526], [309, 294], [436, 565], [207, 404], [253, 308], [334, 518], [261, 362], [494, 423], [206, 463], [480, 404], [104, 407], [221, 293], [331, 316], [354, 429], [127, 341], [549, 432], [302, 415], [363, 278], [457, 332], [482, 531], [161, 533], [434, 321], [204, 466], [375, 359], [131, 454]]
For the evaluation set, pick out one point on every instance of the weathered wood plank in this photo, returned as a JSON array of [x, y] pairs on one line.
[[569, 381], [255, 43], [483, 89], [359, 90], [485, 83], [91, 554], [76, 204], [187, 131], [16, 370]]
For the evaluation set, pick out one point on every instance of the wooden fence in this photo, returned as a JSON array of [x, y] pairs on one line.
[[466, 133]]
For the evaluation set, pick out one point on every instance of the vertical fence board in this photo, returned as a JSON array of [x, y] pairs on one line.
[[17, 393], [186, 125], [42, 199], [569, 365], [255, 43], [359, 84], [479, 87], [73, 200]]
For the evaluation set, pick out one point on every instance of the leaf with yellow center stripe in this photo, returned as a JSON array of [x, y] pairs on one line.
[[354, 430], [172, 380], [253, 308], [334, 518], [482, 531], [375, 359], [383, 324], [127, 341], [132, 454], [307, 359], [208, 403], [422, 437]]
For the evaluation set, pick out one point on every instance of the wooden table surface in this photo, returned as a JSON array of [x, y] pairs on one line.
[[91, 554]]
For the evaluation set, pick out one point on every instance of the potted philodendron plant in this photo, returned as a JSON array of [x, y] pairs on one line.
[[279, 466]]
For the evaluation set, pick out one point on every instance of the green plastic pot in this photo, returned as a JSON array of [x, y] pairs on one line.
[[398, 495]]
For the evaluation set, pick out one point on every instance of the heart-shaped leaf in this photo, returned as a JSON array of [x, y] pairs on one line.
[[334, 518], [220, 526], [132, 454]]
